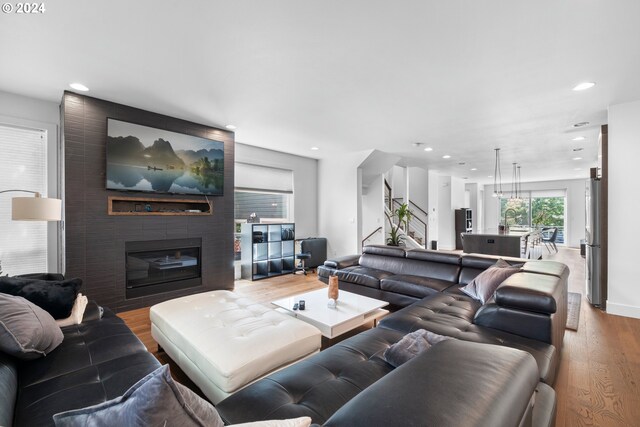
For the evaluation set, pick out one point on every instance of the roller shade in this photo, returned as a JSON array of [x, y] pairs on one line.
[[548, 193], [263, 178]]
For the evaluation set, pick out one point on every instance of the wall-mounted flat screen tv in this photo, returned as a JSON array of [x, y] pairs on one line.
[[142, 158]]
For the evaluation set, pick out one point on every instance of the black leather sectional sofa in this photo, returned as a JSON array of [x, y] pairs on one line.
[[97, 361], [498, 371], [531, 303], [506, 352]]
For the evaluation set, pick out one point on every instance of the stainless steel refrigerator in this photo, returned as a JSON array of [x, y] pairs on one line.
[[592, 237]]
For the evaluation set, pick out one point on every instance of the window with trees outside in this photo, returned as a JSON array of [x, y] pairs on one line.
[[536, 209]]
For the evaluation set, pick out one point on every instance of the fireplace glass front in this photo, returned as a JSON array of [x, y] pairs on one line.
[[160, 266]]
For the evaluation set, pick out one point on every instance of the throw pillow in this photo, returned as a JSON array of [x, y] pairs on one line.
[[77, 312], [484, 285], [412, 345], [26, 331], [155, 400], [55, 296]]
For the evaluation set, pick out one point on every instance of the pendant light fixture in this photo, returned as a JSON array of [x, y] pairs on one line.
[[519, 186], [514, 181], [497, 176]]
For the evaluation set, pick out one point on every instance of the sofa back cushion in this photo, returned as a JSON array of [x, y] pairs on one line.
[[8, 388], [380, 257], [433, 264], [415, 262]]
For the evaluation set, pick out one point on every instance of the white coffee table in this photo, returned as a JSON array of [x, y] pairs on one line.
[[352, 310]]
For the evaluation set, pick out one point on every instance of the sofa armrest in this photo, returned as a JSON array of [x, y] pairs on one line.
[[342, 262], [498, 381], [531, 305], [536, 326], [531, 292]]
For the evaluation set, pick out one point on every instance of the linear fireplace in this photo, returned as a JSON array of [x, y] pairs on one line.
[[157, 266]]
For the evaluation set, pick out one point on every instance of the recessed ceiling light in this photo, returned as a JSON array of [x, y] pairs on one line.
[[577, 158], [230, 127], [474, 169], [428, 149], [578, 138], [580, 124], [79, 86], [584, 86], [489, 176], [315, 148], [446, 156], [578, 149]]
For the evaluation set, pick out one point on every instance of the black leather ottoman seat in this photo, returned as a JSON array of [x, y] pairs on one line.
[[97, 361], [452, 315], [315, 387]]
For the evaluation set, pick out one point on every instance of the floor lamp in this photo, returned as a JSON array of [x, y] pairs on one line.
[[35, 208]]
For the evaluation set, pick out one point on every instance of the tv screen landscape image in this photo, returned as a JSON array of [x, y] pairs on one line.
[[142, 158]]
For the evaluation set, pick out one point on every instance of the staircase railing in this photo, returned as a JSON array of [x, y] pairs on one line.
[[377, 230], [417, 228]]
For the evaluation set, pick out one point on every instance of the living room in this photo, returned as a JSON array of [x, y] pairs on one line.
[[334, 110]]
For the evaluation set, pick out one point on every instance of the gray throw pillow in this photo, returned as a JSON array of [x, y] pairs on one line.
[[412, 345], [26, 331], [484, 285], [155, 400]]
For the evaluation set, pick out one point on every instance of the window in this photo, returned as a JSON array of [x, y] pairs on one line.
[[538, 209], [23, 165], [266, 206], [264, 191]]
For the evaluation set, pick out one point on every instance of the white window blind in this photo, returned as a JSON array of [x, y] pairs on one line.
[[548, 193], [23, 155], [263, 178]]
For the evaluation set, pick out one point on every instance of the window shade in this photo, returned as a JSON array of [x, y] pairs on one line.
[[548, 193], [23, 244], [263, 178]]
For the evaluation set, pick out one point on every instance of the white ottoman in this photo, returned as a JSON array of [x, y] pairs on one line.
[[224, 342]]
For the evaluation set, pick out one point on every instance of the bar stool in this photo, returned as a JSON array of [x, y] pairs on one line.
[[303, 256]]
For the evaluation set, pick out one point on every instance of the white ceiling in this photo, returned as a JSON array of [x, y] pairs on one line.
[[460, 76]]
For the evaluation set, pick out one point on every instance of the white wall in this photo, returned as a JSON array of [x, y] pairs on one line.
[[398, 182], [433, 184], [305, 183], [446, 224], [624, 205], [419, 187], [373, 211], [474, 204], [20, 110], [338, 201], [575, 206]]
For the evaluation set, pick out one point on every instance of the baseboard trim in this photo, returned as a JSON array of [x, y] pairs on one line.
[[623, 310]]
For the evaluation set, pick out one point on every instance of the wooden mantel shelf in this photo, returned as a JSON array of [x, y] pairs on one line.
[[141, 206]]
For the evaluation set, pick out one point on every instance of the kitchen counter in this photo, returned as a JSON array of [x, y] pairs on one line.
[[491, 242]]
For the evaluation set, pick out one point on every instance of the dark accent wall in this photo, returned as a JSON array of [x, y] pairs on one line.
[[94, 241]]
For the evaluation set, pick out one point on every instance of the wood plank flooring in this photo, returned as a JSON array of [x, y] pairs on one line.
[[598, 382]]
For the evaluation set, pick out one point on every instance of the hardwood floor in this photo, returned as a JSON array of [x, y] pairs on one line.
[[598, 382]]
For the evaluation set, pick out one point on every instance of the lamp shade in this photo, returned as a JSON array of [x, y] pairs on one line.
[[36, 209]]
